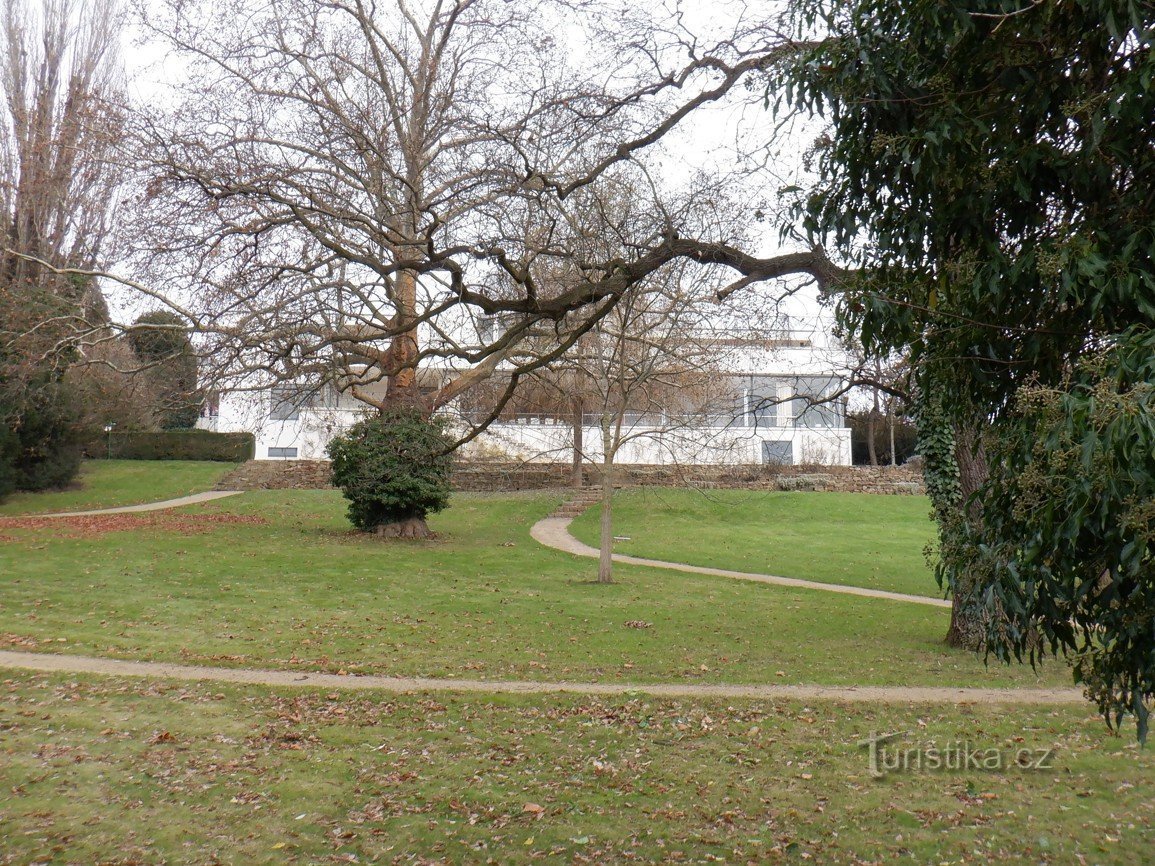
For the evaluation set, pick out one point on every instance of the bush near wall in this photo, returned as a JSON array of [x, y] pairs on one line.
[[177, 445]]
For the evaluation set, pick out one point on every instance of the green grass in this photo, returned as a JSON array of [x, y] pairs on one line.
[[121, 771], [483, 600], [858, 539], [112, 483]]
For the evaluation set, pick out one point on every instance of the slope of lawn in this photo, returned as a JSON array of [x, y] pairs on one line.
[[292, 587], [99, 770], [858, 539], [112, 483]]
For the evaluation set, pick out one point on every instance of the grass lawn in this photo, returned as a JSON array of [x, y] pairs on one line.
[[121, 771], [858, 539], [112, 483], [299, 590]]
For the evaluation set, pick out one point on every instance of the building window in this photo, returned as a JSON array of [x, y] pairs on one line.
[[762, 402], [810, 414], [288, 401], [287, 453], [778, 453], [812, 405], [493, 326]]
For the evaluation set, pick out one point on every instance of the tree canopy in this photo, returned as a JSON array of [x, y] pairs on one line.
[[161, 342], [990, 169], [346, 188]]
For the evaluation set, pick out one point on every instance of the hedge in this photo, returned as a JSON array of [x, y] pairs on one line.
[[179, 445]]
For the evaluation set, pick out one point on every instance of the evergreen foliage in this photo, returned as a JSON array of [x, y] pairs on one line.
[[161, 340], [393, 468], [989, 168]]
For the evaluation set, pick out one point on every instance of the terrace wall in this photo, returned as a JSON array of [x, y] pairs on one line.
[[498, 476]]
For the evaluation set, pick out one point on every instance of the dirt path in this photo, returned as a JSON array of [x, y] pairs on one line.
[[298, 679], [554, 532], [194, 499]]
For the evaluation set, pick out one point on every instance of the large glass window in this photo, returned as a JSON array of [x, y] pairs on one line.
[[778, 453], [762, 402], [288, 401], [813, 404]]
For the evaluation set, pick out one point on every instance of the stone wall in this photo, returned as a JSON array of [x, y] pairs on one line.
[[493, 476], [278, 475]]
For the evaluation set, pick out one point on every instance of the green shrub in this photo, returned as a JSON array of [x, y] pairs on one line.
[[177, 445], [40, 440], [161, 339], [393, 469], [8, 446]]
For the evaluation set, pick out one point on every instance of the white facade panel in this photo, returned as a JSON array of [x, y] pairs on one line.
[[815, 435]]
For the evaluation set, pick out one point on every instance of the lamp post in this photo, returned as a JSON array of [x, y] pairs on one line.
[[108, 430]]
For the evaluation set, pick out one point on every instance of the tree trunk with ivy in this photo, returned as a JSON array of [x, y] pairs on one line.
[[954, 469], [967, 618]]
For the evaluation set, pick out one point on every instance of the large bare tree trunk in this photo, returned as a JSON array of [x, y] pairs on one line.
[[401, 363], [411, 527], [967, 628]]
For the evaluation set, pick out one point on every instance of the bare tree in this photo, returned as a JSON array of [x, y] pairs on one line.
[[59, 127], [655, 376], [651, 371], [345, 187]]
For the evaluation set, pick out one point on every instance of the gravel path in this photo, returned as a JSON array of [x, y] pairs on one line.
[[195, 498], [554, 532], [856, 694]]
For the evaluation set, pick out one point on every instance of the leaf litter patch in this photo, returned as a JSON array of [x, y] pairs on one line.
[[95, 525]]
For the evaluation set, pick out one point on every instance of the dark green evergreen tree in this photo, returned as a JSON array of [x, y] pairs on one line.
[[161, 341], [990, 171]]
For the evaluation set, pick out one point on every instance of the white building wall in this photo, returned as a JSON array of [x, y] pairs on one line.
[[549, 442], [540, 440], [308, 434], [544, 440]]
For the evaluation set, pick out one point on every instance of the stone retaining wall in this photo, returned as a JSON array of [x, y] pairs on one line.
[[487, 476]]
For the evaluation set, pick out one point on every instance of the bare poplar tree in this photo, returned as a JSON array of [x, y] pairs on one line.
[[59, 127]]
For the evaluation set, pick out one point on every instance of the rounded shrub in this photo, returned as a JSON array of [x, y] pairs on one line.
[[394, 469], [8, 448], [47, 443]]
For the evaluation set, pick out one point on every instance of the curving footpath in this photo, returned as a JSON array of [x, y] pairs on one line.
[[551, 532], [193, 499], [554, 532], [47, 663]]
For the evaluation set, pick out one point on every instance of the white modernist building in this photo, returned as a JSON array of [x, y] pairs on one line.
[[786, 408]]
